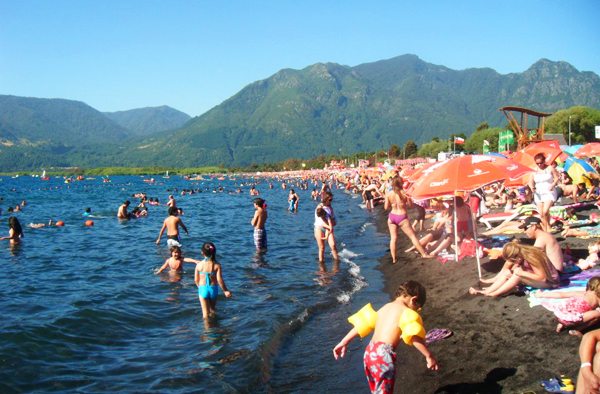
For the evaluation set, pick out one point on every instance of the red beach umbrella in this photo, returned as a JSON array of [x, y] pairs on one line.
[[590, 149], [517, 173], [550, 149], [461, 174]]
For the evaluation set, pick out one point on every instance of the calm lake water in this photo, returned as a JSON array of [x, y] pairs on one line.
[[83, 311]]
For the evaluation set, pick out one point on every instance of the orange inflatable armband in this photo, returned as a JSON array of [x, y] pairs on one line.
[[411, 325], [364, 320]]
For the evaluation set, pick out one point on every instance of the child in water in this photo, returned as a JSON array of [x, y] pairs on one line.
[[578, 310], [174, 263], [208, 277], [391, 325]]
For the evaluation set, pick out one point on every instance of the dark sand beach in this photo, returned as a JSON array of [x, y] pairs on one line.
[[498, 345]]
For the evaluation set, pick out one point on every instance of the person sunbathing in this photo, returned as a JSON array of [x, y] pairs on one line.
[[587, 228], [525, 265], [579, 309]]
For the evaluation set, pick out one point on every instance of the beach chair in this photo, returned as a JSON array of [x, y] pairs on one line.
[[499, 217]]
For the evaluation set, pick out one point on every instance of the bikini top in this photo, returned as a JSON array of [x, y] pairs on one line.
[[207, 275], [410, 323]]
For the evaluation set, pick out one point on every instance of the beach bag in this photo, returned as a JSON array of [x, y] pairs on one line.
[[468, 248]]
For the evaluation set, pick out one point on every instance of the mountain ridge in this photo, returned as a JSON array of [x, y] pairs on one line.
[[328, 108]]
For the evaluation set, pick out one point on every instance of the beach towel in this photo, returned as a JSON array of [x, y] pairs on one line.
[[576, 282]]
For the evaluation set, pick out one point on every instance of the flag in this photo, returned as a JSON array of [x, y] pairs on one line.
[[486, 146], [458, 140], [505, 138]]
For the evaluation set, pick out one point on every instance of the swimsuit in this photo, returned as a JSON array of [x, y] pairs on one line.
[[380, 367], [570, 311], [397, 219], [207, 290], [260, 238], [543, 192]]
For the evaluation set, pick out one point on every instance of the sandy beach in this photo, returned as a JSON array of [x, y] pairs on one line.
[[498, 345]]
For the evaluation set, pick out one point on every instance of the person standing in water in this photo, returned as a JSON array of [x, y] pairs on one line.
[[258, 222], [122, 212], [15, 232], [318, 228], [172, 224], [208, 277], [293, 201]]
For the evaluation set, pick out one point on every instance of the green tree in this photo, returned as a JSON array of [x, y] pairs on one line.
[[410, 149], [394, 151], [482, 126], [431, 149], [583, 122]]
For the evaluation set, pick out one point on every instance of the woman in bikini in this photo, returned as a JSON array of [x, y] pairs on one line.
[[398, 218], [524, 265]]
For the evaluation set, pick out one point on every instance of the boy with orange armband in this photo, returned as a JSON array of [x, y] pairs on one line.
[[395, 320]]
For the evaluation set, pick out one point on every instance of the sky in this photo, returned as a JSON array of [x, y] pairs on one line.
[[192, 55]]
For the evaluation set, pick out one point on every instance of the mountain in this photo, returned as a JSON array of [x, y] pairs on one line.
[[149, 120], [325, 108], [26, 121], [328, 108]]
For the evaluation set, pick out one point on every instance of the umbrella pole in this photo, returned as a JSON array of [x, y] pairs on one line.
[[473, 220], [455, 232]]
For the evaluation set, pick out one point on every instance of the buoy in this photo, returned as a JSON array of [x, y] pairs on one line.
[[89, 223], [60, 223]]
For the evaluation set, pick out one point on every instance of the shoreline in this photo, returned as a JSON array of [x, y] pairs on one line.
[[498, 345]]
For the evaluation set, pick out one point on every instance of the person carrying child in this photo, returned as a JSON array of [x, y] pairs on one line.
[[579, 309], [396, 319], [208, 277], [323, 222]]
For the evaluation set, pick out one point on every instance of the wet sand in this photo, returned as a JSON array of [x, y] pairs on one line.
[[499, 344]]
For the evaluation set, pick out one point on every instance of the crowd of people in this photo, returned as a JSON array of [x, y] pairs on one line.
[[453, 222]]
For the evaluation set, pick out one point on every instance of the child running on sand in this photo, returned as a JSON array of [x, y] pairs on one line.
[[395, 320], [578, 310], [208, 278]]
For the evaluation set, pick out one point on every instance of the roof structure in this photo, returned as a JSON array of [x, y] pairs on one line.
[[524, 134]]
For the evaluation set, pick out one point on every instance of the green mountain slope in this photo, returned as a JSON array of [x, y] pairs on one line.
[[150, 120], [325, 108], [329, 108], [26, 121]]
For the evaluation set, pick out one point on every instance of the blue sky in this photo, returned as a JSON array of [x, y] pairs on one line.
[[192, 55]]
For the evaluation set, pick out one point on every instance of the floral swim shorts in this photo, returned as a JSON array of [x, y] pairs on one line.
[[380, 367]]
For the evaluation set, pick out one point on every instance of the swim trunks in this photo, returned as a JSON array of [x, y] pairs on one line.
[[380, 367], [397, 219], [260, 238], [173, 240]]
